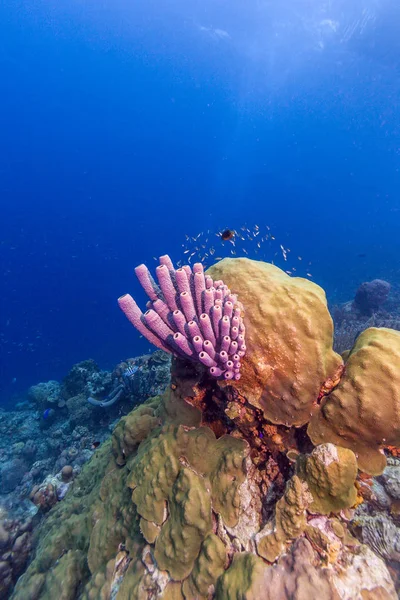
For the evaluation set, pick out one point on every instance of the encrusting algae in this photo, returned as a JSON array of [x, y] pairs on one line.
[[196, 498]]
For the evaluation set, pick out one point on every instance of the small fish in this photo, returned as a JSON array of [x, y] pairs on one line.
[[48, 413], [130, 371], [227, 235], [362, 255], [95, 445]]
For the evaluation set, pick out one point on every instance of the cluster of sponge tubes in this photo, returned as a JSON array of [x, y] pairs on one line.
[[190, 315]]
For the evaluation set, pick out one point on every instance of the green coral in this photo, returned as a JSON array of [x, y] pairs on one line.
[[153, 472], [149, 530], [208, 567], [189, 521], [226, 477], [133, 429], [63, 579], [330, 473], [243, 579], [290, 520], [114, 519], [177, 476]]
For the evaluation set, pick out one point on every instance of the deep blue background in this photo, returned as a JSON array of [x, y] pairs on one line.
[[125, 125]]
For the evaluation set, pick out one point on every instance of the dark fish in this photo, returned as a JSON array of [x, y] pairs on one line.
[[361, 255], [228, 234], [95, 445]]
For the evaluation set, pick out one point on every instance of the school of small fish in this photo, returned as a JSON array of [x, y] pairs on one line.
[[253, 241]]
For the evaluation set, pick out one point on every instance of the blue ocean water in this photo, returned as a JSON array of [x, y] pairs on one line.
[[126, 126]]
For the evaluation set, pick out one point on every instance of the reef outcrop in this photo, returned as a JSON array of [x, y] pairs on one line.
[[363, 412], [215, 490]]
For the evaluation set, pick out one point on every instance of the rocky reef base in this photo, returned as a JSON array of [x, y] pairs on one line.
[[281, 485], [180, 504]]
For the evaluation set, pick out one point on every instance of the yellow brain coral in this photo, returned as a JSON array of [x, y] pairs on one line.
[[288, 337], [363, 412]]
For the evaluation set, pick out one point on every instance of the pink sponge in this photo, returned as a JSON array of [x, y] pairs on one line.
[[190, 315]]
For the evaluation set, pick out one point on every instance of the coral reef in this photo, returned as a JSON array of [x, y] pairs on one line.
[[144, 376], [351, 320], [41, 456], [11, 474], [15, 547], [86, 378], [45, 395], [32, 445], [371, 295], [381, 534], [215, 489], [170, 521]]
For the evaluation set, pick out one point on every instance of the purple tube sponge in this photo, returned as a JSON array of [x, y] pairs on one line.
[[191, 316]]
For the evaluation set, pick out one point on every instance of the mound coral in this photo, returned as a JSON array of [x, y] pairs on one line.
[[214, 490], [371, 295], [363, 412], [330, 473], [288, 339]]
